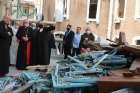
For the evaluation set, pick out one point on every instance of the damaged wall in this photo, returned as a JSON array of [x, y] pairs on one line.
[[78, 16], [130, 25]]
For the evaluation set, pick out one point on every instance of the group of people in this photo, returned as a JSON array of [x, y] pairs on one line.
[[74, 43], [34, 44]]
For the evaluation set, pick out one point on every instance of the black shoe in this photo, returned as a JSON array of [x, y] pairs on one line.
[[2, 75], [65, 57]]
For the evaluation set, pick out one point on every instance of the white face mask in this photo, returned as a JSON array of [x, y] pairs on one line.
[[34, 28], [26, 24], [88, 32], [16, 27]]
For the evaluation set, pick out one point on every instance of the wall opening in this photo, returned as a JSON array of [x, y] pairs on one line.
[[138, 42]]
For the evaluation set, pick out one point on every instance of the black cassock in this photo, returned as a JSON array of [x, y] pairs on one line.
[[23, 55], [5, 42], [45, 41], [34, 48], [51, 44]]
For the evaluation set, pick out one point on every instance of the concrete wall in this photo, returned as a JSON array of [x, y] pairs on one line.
[[48, 9], [2, 8], [129, 25], [78, 15]]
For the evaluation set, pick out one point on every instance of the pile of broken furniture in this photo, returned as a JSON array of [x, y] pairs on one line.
[[104, 71], [123, 78]]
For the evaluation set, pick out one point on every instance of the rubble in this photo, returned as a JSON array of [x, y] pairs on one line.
[[87, 71]]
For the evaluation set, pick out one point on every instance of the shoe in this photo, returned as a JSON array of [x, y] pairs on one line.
[[2, 74]]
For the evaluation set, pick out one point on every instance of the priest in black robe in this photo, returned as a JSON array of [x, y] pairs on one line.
[[45, 43], [40, 45], [5, 42], [24, 36], [34, 45], [50, 41]]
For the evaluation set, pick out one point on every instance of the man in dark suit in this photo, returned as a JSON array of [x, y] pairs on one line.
[[67, 41]]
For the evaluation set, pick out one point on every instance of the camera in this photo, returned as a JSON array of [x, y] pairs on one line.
[[49, 28]]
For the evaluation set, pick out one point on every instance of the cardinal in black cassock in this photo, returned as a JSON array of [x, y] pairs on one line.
[[24, 36], [5, 42]]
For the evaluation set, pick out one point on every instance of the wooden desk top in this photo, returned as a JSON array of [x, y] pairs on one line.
[[117, 81], [117, 76]]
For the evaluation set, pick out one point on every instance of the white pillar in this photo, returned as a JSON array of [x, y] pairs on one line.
[[110, 19]]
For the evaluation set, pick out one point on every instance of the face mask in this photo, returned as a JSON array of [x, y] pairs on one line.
[[88, 32], [34, 28], [68, 28], [77, 31], [16, 27], [26, 25]]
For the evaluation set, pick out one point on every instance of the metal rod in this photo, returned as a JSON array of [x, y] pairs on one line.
[[78, 61], [23, 89]]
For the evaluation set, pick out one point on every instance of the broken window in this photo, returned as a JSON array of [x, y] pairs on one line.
[[93, 9], [26, 10], [137, 42], [66, 8], [61, 10], [122, 8]]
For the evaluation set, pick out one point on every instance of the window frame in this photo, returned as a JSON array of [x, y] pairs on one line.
[[66, 15], [97, 12], [116, 12], [124, 15], [134, 39], [137, 17], [26, 9]]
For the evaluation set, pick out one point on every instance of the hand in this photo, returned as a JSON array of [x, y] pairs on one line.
[[88, 49], [25, 38], [83, 50], [41, 30], [86, 38], [9, 33]]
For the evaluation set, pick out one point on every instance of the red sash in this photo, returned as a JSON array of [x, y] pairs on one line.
[[28, 52], [28, 48]]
